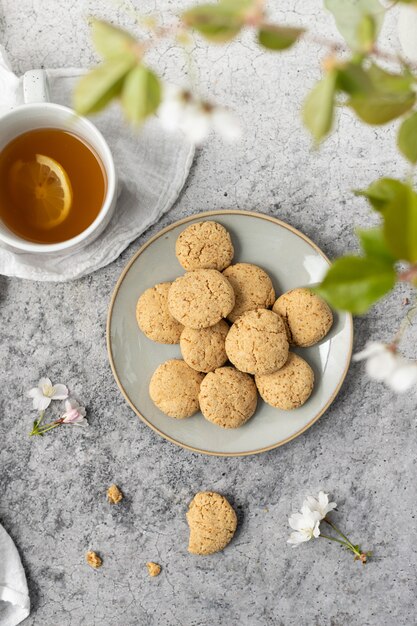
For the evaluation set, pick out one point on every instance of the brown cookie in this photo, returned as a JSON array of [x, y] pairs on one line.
[[212, 522], [288, 388], [154, 318], [204, 245], [203, 349], [252, 286], [201, 298], [257, 342], [174, 389], [307, 316], [228, 397]]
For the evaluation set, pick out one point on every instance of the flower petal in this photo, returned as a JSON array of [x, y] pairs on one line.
[[44, 382], [60, 392], [323, 499], [226, 124], [82, 422], [170, 114], [372, 348], [41, 402], [403, 377], [381, 366], [296, 521], [195, 123], [34, 392], [296, 538]]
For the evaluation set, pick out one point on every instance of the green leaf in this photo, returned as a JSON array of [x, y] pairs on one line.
[[387, 82], [374, 245], [216, 22], [407, 138], [355, 283], [367, 32], [377, 110], [397, 202], [95, 90], [141, 94], [400, 224], [349, 15], [382, 192], [353, 79], [111, 41], [318, 109], [278, 37], [239, 6], [387, 96]]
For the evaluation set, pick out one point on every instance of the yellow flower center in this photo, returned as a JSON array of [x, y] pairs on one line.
[[48, 390]]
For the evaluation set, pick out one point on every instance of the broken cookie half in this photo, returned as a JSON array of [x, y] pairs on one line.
[[212, 522]]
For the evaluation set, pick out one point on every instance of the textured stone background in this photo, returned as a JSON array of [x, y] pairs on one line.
[[362, 451]]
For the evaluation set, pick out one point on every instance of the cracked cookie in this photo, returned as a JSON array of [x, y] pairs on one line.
[[252, 286], [154, 318], [204, 245], [174, 389], [203, 349], [212, 522], [228, 397], [288, 388], [308, 317], [257, 342], [200, 298]]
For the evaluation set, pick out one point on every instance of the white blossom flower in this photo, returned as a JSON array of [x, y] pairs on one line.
[[385, 365], [305, 524], [181, 110], [404, 376], [74, 413], [45, 392], [321, 505]]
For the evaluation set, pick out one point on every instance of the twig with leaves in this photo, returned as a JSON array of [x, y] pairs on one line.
[[352, 77]]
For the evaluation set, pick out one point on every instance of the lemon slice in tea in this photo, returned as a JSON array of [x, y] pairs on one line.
[[43, 189]]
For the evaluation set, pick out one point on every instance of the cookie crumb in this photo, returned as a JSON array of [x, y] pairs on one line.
[[406, 301], [114, 495], [153, 568], [93, 559]]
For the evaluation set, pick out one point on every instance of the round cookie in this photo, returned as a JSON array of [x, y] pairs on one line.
[[201, 298], [228, 397], [308, 317], [212, 522], [154, 318], [203, 349], [288, 388], [257, 342], [174, 389], [204, 245], [252, 286]]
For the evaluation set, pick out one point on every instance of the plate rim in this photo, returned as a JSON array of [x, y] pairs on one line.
[[185, 220]]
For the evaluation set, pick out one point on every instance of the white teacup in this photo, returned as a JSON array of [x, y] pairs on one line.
[[36, 113]]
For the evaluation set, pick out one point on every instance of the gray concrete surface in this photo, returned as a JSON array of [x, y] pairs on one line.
[[362, 450]]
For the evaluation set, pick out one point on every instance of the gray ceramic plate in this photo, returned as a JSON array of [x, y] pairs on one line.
[[292, 260]]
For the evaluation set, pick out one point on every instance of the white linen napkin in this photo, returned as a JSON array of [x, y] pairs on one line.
[[14, 595], [152, 166]]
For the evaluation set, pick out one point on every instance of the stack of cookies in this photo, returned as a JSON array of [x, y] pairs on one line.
[[233, 345]]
